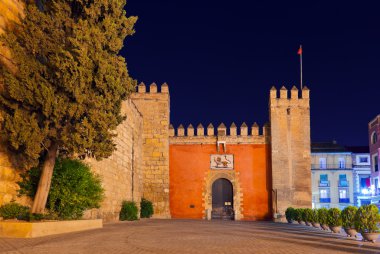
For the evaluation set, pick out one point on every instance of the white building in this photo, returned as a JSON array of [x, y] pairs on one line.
[[331, 175], [361, 166]]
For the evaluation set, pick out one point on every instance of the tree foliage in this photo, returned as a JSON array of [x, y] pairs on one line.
[[70, 79], [74, 188]]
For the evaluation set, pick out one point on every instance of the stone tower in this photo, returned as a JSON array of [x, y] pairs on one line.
[[155, 109], [290, 145]]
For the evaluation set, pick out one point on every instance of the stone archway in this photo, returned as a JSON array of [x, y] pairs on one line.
[[233, 177]]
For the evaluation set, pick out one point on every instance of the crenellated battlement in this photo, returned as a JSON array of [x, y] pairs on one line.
[[153, 89], [294, 93], [211, 134]]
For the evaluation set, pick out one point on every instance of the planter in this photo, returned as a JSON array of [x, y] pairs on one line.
[[300, 222], [316, 224], [335, 229], [351, 232], [325, 227], [307, 223], [371, 237], [290, 221], [23, 229]]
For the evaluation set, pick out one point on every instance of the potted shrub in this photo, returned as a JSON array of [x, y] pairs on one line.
[[302, 215], [334, 220], [297, 215], [322, 218], [314, 218], [366, 220], [348, 220], [308, 216], [290, 214]]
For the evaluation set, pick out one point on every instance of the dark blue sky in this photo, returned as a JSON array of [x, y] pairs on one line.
[[220, 58]]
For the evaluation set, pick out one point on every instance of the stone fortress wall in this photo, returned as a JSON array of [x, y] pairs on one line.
[[290, 148], [10, 12], [154, 106], [121, 173]]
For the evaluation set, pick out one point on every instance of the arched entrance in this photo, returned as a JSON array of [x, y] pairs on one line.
[[222, 200]]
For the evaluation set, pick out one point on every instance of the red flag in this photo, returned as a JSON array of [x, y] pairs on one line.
[[300, 51]]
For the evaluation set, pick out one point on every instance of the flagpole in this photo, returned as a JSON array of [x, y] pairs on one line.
[[301, 65]]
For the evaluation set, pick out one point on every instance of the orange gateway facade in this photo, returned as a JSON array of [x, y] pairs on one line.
[[243, 173]]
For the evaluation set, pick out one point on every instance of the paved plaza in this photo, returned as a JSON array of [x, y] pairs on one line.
[[193, 236]]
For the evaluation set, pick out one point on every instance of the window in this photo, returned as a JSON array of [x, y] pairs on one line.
[[322, 163], [376, 163], [323, 180], [324, 196], [363, 159], [343, 196], [343, 193], [342, 163], [343, 180], [374, 138], [324, 193]]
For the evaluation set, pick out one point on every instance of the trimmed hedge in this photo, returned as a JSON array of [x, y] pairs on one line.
[[13, 211], [128, 211], [348, 216], [322, 216], [366, 219], [146, 208], [334, 218]]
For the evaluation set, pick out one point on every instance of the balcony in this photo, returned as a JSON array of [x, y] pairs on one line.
[[343, 184], [324, 184], [331, 166], [344, 200], [325, 200]]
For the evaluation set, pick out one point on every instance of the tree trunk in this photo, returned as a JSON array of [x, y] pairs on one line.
[[43, 188]]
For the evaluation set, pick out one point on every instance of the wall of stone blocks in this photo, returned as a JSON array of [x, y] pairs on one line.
[[121, 173], [10, 11], [155, 109], [9, 176], [290, 144]]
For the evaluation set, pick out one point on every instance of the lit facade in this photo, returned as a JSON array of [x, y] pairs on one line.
[[332, 176], [374, 150], [361, 166]]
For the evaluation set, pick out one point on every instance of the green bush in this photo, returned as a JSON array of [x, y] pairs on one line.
[[13, 211], [74, 188], [146, 208], [334, 217], [32, 217], [323, 214], [128, 211], [303, 214], [308, 215], [297, 214], [367, 218], [314, 216], [348, 216]]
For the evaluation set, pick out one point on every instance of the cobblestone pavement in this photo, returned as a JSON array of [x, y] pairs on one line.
[[192, 236]]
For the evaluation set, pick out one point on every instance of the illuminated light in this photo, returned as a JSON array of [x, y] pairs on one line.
[[365, 191]]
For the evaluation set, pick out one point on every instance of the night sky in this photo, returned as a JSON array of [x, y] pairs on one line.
[[220, 58]]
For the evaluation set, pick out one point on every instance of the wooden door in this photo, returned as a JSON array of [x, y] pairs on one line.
[[222, 200]]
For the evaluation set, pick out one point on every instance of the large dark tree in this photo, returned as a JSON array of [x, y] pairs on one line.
[[70, 82]]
